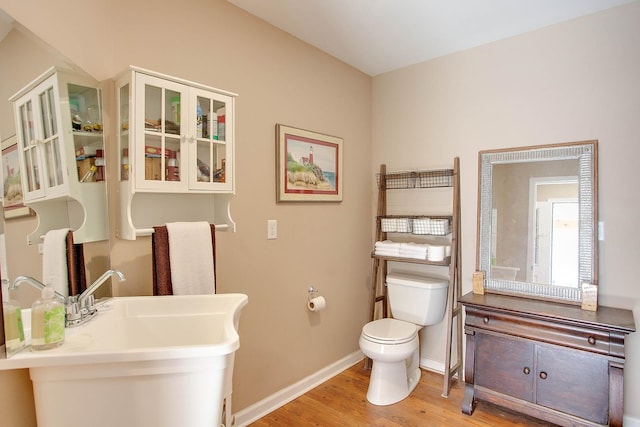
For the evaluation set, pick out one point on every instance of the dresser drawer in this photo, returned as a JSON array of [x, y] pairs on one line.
[[587, 339]]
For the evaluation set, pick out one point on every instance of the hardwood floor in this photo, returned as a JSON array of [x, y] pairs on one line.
[[342, 401]]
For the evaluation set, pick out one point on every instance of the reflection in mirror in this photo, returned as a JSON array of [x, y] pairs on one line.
[[23, 57], [530, 199], [536, 220]]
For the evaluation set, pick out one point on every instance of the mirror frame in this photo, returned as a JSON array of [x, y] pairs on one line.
[[586, 153]]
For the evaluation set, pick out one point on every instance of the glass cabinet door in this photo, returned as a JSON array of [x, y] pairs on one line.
[[158, 161], [85, 116], [208, 161], [41, 142], [123, 125], [30, 161], [51, 149]]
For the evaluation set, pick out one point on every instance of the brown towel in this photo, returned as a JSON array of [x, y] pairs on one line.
[[75, 266], [162, 263]]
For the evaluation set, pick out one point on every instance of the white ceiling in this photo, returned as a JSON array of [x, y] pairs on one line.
[[376, 36]]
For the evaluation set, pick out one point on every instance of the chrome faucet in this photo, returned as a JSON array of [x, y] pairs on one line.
[[97, 283], [16, 282], [82, 308]]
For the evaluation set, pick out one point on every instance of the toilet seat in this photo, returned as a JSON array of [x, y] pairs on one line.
[[389, 331]]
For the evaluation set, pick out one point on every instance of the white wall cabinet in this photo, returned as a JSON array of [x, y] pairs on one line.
[[59, 133], [176, 146]]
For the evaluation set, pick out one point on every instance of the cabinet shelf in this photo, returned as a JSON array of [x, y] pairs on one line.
[[445, 263], [416, 179]]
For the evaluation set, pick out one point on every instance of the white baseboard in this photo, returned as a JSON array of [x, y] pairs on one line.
[[630, 422], [432, 365], [269, 404]]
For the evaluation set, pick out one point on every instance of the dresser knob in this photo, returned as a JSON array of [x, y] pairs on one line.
[[592, 340], [543, 375], [526, 370], [486, 319]]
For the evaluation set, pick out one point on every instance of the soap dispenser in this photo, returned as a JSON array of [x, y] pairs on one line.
[[47, 321], [14, 329]]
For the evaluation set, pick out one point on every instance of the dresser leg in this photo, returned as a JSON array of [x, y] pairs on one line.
[[616, 395], [468, 402]]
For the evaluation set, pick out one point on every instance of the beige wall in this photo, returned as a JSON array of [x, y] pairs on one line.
[[279, 79], [570, 82]]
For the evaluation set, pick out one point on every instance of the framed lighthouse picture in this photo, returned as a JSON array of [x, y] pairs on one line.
[[308, 165]]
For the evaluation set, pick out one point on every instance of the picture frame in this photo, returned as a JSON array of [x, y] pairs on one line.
[[308, 166], [12, 197]]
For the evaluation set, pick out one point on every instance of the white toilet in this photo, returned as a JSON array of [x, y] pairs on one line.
[[392, 344]]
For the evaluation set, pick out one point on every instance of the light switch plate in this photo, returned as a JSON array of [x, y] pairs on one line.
[[272, 229]]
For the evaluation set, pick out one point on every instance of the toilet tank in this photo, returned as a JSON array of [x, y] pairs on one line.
[[416, 298]]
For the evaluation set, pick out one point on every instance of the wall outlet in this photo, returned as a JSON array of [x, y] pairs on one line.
[[272, 229]]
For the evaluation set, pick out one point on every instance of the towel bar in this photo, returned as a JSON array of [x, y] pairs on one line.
[[149, 231]]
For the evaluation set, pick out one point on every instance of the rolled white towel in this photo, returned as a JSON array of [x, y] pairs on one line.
[[436, 253]]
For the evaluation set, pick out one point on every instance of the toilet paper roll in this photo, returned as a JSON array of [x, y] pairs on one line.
[[435, 253], [316, 304]]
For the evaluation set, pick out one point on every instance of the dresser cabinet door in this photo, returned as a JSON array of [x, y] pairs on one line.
[[573, 382], [505, 365]]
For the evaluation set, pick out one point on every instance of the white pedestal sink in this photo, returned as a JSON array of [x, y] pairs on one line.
[[161, 361]]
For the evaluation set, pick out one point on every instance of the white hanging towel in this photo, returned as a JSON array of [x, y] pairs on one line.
[[54, 260], [191, 258]]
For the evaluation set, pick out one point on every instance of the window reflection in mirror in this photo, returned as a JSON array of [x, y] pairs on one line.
[[531, 199]]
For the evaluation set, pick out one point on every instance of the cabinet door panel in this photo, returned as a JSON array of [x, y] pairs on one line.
[[160, 133], [30, 161], [573, 382], [505, 365]]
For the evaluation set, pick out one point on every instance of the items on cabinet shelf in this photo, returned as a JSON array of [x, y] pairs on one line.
[[441, 248], [172, 168], [99, 164], [124, 165], [221, 120]]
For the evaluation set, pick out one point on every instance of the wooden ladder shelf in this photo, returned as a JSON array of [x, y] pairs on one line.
[[389, 181]]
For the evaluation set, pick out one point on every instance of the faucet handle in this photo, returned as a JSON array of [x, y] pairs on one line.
[[73, 312], [90, 304]]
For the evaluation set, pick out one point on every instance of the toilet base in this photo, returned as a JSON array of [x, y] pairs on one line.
[[391, 382]]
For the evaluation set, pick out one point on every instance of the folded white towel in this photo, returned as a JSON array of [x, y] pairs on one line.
[[191, 258], [414, 247], [383, 252], [388, 244], [54, 260]]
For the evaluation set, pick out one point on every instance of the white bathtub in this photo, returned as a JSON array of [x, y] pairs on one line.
[[162, 361]]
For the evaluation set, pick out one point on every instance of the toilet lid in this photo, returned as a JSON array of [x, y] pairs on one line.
[[390, 331]]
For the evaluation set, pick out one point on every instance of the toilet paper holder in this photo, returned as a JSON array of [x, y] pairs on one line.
[[311, 293]]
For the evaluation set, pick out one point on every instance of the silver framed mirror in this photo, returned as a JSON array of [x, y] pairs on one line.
[[537, 221]]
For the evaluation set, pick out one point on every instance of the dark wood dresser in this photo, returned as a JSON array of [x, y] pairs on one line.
[[552, 361]]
